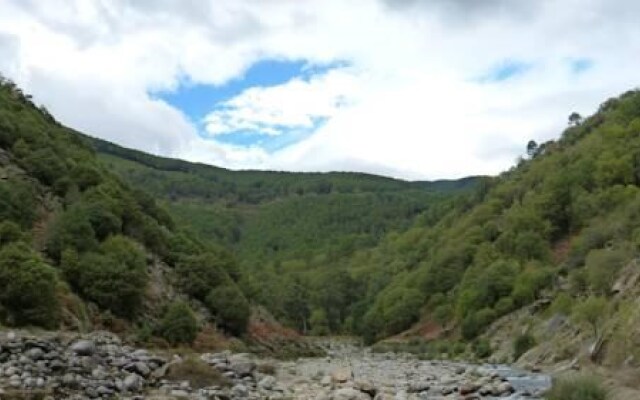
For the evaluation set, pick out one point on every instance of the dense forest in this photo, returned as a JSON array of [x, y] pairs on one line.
[[293, 233]]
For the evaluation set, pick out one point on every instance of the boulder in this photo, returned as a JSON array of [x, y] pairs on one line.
[[84, 347], [349, 394], [341, 375]]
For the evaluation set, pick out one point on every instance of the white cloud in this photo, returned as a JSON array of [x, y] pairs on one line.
[[414, 107], [297, 104]]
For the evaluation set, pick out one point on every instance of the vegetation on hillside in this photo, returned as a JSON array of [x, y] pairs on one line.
[[68, 224], [293, 233], [506, 249]]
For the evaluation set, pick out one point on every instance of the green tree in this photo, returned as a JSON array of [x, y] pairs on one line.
[[592, 311], [198, 274], [319, 322], [27, 287], [230, 307], [179, 324]]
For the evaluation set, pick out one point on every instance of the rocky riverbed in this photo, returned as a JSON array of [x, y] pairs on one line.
[[99, 365]]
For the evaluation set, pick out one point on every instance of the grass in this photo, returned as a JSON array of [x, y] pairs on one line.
[[198, 373], [579, 388]]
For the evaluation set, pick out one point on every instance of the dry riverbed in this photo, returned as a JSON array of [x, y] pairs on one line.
[[99, 365]]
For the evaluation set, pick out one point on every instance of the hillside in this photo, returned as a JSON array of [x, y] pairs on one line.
[[81, 249], [545, 254], [291, 232]]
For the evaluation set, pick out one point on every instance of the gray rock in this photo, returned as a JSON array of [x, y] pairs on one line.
[[267, 383], [341, 375], [84, 347], [349, 394], [132, 383], [243, 368]]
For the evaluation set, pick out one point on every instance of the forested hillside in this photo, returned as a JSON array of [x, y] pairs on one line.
[[559, 226], [293, 233], [79, 247]]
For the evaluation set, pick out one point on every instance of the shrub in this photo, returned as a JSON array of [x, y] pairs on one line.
[[482, 348], [522, 344], [198, 373], [27, 287], [230, 307], [319, 322], [114, 278], [579, 388], [198, 274], [179, 324]]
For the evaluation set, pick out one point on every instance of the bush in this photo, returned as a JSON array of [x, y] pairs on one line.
[[198, 274], [179, 324], [319, 322], [114, 278], [522, 344], [580, 388], [230, 307], [482, 348], [27, 287], [198, 373]]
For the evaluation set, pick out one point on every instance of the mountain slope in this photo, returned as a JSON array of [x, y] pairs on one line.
[[292, 232], [556, 229], [79, 246]]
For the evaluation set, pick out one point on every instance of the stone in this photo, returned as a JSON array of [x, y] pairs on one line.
[[468, 388], [349, 394], [417, 387], [83, 347], [35, 353], [132, 383], [366, 387], [267, 383], [341, 375], [240, 391], [243, 368]]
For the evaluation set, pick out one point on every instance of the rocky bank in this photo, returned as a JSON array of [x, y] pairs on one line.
[[100, 365]]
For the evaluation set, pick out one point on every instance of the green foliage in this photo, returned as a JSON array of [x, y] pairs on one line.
[[319, 322], [578, 388], [592, 311], [482, 348], [602, 267], [521, 344], [179, 324], [27, 287], [198, 274], [562, 304], [114, 277], [10, 232], [230, 307]]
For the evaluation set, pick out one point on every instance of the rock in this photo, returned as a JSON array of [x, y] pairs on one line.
[[35, 353], [267, 383], [83, 347], [417, 387], [468, 388], [240, 391], [503, 388], [365, 387], [243, 368], [349, 394], [341, 375], [326, 380], [132, 383]]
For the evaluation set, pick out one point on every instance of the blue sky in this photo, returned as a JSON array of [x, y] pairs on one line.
[[197, 100]]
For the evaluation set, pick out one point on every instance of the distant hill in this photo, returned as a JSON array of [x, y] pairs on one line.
[[275, 220]]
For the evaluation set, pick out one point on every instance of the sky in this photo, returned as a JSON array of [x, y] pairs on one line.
[[413, 89]]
